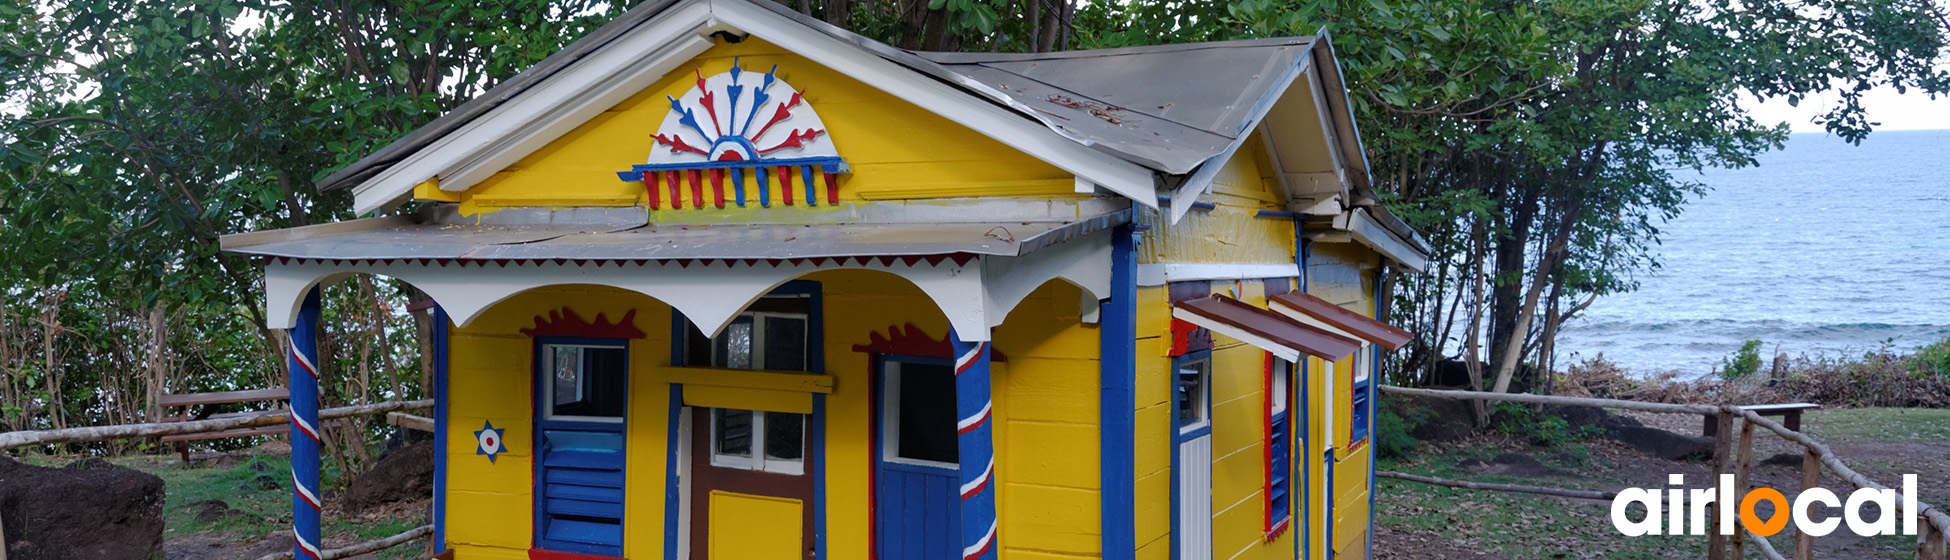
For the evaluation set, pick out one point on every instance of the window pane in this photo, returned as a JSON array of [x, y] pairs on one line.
[[785, 343], [734, 345], [697, 348], [733, 432], [566, 362], [1191, 393], [1281, 369], [785, 436], [927, 413]]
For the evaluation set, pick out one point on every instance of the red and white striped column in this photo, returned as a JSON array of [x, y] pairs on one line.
[[305, 505], [974, 407]]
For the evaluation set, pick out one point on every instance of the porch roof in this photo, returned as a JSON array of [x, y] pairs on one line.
[[623, 235], [1304, 307], [1269, 331]]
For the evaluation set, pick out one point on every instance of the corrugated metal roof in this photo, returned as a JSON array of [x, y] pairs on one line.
[[398, 238], [1175, 106]]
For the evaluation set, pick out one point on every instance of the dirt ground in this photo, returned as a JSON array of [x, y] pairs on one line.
[[1882, 445]]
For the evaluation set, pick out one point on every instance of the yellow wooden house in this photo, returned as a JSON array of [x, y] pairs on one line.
[[722, 281]]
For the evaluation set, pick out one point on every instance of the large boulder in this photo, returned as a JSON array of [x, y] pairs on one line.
[[404, 474], [89, 509]]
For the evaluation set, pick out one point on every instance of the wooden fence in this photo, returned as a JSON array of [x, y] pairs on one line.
[[1930, 538]]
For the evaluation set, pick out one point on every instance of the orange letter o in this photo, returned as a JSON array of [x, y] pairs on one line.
[[1752, 521]]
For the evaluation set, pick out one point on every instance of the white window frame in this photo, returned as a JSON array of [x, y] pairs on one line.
[[758, 335], [1204, 404], [890, 433], [1282, 389], [582, 382], [758, 461]]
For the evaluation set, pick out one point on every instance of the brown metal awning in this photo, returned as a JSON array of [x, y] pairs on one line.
[[1299, 305], [1279, 334]]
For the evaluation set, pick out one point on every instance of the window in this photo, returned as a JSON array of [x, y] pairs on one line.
[[920, 414], [1279, 457], [772, 334], [584, 382], [773, 442], [1193, 395], [1364, 362], [582, 386]]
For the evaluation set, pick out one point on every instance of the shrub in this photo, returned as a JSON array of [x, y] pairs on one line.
[[1542, 430], [1742, 364], [1391, 438], [1933, 358]]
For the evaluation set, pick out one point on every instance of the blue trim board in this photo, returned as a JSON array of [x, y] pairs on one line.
[[1117, 354], [1306, 456], [440, 351], [826, 165], [1330, 504], [818, 467], [672, 494]]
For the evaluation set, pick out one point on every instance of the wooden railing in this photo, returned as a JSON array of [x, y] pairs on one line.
[[1930, 538]]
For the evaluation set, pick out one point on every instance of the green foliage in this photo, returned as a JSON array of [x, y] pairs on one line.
[[1743, 363], [1933, 358], [1391, 438], [1542, 430]]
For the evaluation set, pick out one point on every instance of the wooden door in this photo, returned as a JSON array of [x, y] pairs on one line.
[[752, 493], [917, 501]]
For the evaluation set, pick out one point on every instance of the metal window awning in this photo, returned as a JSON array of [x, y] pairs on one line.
[[1339, 320], [1283, 336]]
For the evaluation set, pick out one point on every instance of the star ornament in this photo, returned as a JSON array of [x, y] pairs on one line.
[[490, 441]]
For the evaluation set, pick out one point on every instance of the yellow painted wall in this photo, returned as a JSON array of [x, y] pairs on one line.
[[896, 150], [1229, 232], [1047, 400]]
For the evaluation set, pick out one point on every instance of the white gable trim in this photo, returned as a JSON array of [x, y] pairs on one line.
[[558, 104]]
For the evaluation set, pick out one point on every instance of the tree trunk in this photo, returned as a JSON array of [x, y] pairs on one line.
[[1512, 256], [1473, 348], [1546, 266]]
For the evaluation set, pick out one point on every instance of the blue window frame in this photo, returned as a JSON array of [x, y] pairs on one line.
[[1363, 401], [1279, 453], [581, 388]]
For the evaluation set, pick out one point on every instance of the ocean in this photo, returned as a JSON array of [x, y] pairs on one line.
[[1823, 249]]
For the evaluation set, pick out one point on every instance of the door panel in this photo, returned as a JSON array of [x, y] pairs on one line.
[[917, 481], [740, 498], [1195, 498], [580, 460], [750, 527]]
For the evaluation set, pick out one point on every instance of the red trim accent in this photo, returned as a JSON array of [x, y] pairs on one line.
[[717, 187], [566, 322], [832, 188], [785, 182], [676, 190], [1266, 445], [546, 554], [697, 188], [1279, 529], [650, 188], [978, 423], [909, 341]]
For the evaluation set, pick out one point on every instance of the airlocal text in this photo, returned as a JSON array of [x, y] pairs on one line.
[[1671, 520]]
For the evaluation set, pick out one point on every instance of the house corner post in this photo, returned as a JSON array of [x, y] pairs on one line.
[[1117, 355], [974, 407], [303, 373]]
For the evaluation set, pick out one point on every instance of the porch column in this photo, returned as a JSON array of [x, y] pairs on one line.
[[974, 407], [305, 507]]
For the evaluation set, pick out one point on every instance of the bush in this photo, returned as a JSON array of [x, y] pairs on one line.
[[1933, 358], [1541, 430], [1742, 364], [1391, 438]]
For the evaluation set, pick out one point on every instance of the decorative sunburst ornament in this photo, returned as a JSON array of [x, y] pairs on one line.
[[738, 122], [490, 441]]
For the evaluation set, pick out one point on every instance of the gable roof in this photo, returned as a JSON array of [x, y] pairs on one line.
[[1126, 120]]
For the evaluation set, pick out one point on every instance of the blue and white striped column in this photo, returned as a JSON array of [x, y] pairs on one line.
[[975, 408], [305, 505]]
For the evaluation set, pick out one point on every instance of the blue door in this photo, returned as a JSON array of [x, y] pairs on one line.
[[581, 388], [917, 501]]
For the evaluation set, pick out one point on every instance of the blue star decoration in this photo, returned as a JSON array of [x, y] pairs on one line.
[[490, 441]]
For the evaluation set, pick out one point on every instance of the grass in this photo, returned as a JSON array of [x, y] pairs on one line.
[[1883, 425], [259, 490]]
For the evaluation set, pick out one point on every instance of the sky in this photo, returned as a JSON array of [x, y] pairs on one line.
[[1896, 111]]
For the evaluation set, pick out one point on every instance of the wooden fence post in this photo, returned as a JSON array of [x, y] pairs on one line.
[[1804, 543], [1716, 543], [1740, 485], [1929, 542]]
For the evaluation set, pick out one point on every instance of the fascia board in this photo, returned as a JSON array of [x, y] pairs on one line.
[[1365, 231]]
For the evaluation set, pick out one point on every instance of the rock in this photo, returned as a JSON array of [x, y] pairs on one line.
[[90, 509], [212, 511], [401, 438], [402, 475]]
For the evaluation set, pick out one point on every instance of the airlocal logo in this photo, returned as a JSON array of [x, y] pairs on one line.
[[1675, 523]]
